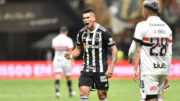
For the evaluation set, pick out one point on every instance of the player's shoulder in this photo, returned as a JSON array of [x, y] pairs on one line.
[[55, 38], [82, 29], [168, 29], [103, 29], [69, 38], [142, 24]]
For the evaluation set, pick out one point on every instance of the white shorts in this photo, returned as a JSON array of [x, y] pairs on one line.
[[62, 66], [151, 86]]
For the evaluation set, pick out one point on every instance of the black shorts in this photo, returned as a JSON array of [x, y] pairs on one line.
[[90, 78]]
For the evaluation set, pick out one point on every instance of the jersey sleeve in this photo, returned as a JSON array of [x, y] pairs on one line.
[[170, 41], [139, 31], [79, 40], [109, 41]]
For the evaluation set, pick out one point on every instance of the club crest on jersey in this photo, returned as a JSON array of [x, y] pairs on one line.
[[97, 37]]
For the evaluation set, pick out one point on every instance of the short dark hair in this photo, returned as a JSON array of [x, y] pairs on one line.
[[88, 10], [63, 29], [152, 9]]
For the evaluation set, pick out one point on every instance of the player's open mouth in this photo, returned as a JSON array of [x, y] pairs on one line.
[[86, 24]]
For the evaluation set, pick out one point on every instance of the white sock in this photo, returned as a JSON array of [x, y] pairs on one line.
[[104, 100], [83, 98], [160, 99]]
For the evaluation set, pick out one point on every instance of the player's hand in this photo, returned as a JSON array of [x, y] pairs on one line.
[[166, 84], [109, 73], [67, 56], [135, 76]]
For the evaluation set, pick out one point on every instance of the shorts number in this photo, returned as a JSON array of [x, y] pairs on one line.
[[159, 42], [141, 84]]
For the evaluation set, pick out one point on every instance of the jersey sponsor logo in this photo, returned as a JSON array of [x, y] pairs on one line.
[[153, 88], [159, 65], [92, 46], [103, 79]]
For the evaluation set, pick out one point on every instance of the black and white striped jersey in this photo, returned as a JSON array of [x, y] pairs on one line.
[[95, 45]]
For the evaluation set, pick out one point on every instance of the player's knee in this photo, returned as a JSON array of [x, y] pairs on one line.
[[84, 90], [104, 99], [83, 93], [102, 96], [83, 98]]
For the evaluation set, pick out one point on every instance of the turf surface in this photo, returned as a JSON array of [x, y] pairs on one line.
[[43, 90]]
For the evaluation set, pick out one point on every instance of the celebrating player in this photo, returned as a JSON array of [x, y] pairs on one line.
[[95, 40], [154, 38], [62, 44]]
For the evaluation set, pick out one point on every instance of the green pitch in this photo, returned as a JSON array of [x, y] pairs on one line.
[[43, 90]]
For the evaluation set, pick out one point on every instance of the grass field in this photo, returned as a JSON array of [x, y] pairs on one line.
[[43, 90]]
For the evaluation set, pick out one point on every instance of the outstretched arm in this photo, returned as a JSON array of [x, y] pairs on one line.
[[114, 58]]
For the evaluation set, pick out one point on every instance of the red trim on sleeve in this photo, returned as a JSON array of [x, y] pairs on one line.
[[146, 38], [169, 40]]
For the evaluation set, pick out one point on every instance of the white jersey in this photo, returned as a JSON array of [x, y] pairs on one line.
[[61, 45], [156, 46]]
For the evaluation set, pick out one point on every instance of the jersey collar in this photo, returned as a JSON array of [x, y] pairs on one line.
[[153, 18], [97, 26]]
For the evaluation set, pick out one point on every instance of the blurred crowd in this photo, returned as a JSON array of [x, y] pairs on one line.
[[118, 16], [121, 17]]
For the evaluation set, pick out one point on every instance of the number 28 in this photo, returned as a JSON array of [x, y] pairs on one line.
[[159, 42]]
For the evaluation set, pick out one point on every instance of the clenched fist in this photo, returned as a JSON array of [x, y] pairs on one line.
[[68, 56]]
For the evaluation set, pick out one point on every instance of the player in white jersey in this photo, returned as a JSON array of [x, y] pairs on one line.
[[154, 38], [62, 44], [136, 77]]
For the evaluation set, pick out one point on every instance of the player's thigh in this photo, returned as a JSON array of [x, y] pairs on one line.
[[67, 68], [57, 67], [85, 82], [149, 86], [161, 79], [85, 79], [101, 81]]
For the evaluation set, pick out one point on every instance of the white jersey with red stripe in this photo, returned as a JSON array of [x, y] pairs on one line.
[[156, 46], [61, 44]]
